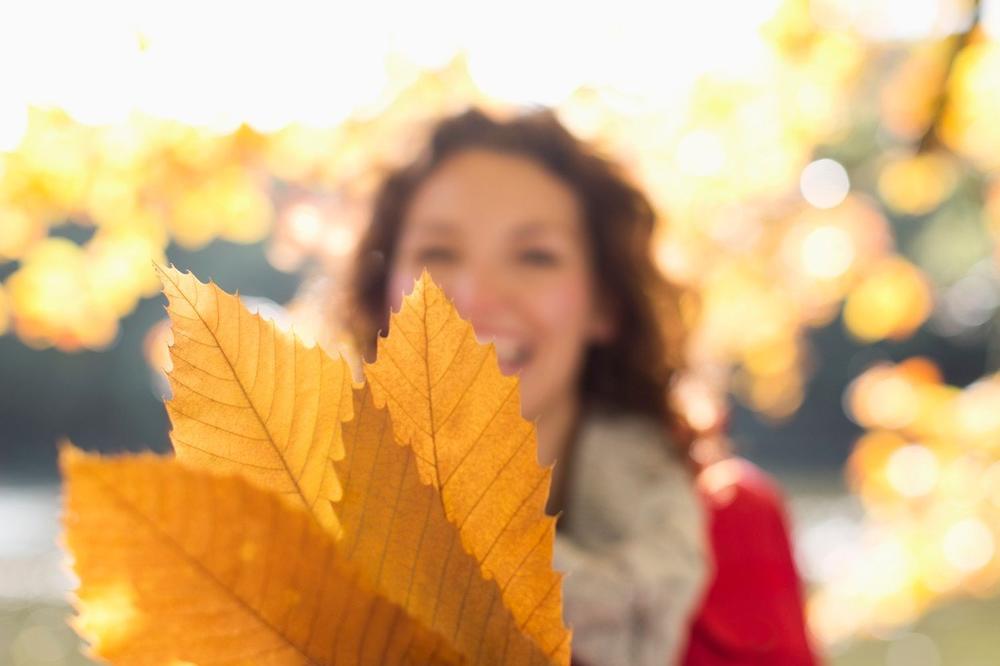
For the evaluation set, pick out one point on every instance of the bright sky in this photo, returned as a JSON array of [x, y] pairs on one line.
[[271, 63]]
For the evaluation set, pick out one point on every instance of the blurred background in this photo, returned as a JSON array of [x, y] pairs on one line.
[[828, 174]]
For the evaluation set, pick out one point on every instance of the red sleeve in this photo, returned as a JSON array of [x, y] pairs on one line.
[[752, 613]]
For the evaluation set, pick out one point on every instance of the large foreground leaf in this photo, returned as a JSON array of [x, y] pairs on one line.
[[396, 531], [179, 566], [449, 401], [250, 399], [231, 554]]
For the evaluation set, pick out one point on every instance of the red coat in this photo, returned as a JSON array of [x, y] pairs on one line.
[[752, 613]]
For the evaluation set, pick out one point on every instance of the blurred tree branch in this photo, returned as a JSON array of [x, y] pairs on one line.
[[930, 138]]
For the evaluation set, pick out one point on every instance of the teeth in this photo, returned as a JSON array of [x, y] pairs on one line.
[[509, 352], [485, 339]]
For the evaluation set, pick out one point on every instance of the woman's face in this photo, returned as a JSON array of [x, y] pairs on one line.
[[506, 241]]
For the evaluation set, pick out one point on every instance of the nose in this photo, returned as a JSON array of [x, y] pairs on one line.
[[481, 296]]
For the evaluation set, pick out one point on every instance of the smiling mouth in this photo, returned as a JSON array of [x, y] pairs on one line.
[[512, 356]]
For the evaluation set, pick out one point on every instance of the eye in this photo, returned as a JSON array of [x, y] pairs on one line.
[[436, 254], [539, 257]]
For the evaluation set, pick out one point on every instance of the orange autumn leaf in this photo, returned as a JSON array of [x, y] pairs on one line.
[[251, 399], [181, 566], [396, 530], [262, 426], [450, 402], [469, 610]]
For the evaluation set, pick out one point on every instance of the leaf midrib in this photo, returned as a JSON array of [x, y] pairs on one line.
[[169, 540], [246, 396]]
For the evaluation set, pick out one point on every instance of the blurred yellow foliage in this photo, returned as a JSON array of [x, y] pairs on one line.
[[969, 125], [892, 301], [140, 186], [721, 170], [19, 233], [225, 204], [824, 252], [917, 184], [52, 300], [908, 397], [909, 98], [926, 471]]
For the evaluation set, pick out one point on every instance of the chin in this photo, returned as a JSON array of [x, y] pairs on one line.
[[529, 407]]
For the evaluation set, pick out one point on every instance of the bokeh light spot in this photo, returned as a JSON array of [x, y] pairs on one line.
[[827, 252], [969, 545], [824, 183], [913, 470]]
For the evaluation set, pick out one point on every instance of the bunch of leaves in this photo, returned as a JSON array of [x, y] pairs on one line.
[[309, 520]]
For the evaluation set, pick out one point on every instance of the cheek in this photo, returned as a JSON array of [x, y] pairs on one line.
[[563, 310], [558, 323], [561, 321], [398, 285]]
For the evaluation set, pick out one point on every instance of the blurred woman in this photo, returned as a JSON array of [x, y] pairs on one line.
[[545, 248]]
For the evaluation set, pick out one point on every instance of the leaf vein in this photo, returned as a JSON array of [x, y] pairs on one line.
[[510, 518], [469, 449], [183, 554], [207, 397], [197, 419]]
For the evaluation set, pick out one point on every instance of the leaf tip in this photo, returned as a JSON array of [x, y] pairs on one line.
[[163, 269], [69, 454], [426, 283], [168, 275]]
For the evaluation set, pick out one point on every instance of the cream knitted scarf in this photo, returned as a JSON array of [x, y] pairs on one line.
[[633, 544]]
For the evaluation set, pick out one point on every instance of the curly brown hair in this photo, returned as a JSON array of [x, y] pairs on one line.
[[633, 372]]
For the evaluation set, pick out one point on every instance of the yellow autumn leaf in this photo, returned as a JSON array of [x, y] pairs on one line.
[[181, 566], [254, 403], [450, 402], [251, 399], [395, 529]]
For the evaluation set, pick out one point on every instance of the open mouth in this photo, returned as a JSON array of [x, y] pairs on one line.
[[512, 355]]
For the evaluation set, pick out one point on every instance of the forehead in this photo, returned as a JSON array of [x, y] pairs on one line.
[[488, 190]]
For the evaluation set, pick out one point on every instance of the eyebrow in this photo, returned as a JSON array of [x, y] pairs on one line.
[[437, 227], [527, 229], [537, 228]]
